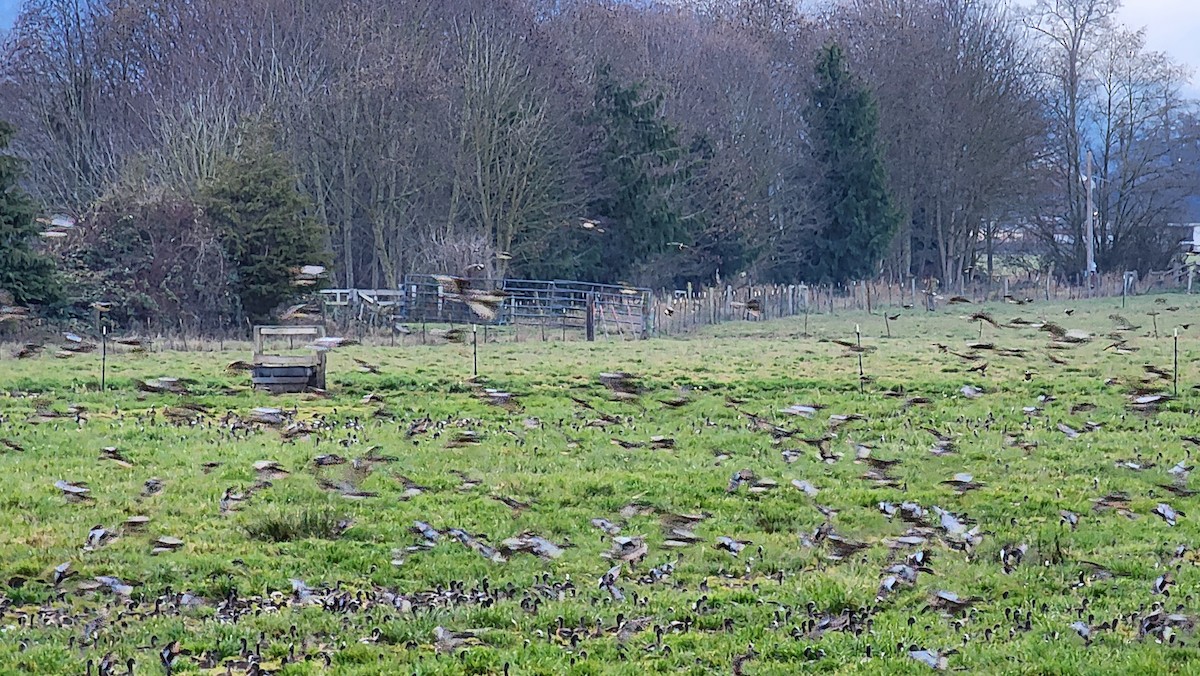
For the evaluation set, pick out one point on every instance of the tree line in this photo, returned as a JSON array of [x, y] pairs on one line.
[[207, 148]]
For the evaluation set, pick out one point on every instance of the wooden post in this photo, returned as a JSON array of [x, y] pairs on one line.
[[691, 307], [320, 370], [590, 320], [647, 313]]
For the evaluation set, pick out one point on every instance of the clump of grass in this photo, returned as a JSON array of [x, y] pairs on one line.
[[291, 525]]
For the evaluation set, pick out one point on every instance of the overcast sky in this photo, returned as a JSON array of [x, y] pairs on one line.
[[1172, 26], [8, 12]]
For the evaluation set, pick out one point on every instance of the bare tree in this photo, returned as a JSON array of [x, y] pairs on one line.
[[960, 114], [192, 137], [1139, 116], [514, 168], [1069, 33], [433, 134], [58, 102]]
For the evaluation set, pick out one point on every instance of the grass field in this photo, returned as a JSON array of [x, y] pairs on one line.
[[300, 578]]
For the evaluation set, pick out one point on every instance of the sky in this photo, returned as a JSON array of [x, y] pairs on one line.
[[1172, 26], [8, 12]]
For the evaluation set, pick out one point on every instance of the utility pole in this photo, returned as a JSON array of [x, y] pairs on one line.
[[1091, 225]]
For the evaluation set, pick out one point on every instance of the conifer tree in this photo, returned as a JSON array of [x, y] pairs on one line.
[[642, 167], [30, 277], [262, 218], [858, 220]]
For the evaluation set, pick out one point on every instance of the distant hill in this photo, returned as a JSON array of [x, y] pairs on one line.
[[1192, 211]]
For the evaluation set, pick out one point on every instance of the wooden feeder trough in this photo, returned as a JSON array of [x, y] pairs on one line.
[[281, 373]]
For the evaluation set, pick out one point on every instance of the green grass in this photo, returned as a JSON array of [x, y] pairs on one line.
[[570, 472]]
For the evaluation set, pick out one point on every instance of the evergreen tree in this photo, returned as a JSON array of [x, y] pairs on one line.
[[857, 217], [26, 274], [261, 217], [641, 166]]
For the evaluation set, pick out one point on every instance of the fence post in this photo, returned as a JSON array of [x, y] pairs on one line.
[[647, 312], [590, 322]]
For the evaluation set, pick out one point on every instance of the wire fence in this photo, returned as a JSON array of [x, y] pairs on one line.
[[683, 311], [562, 309], [548, 308], [423, 311]]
